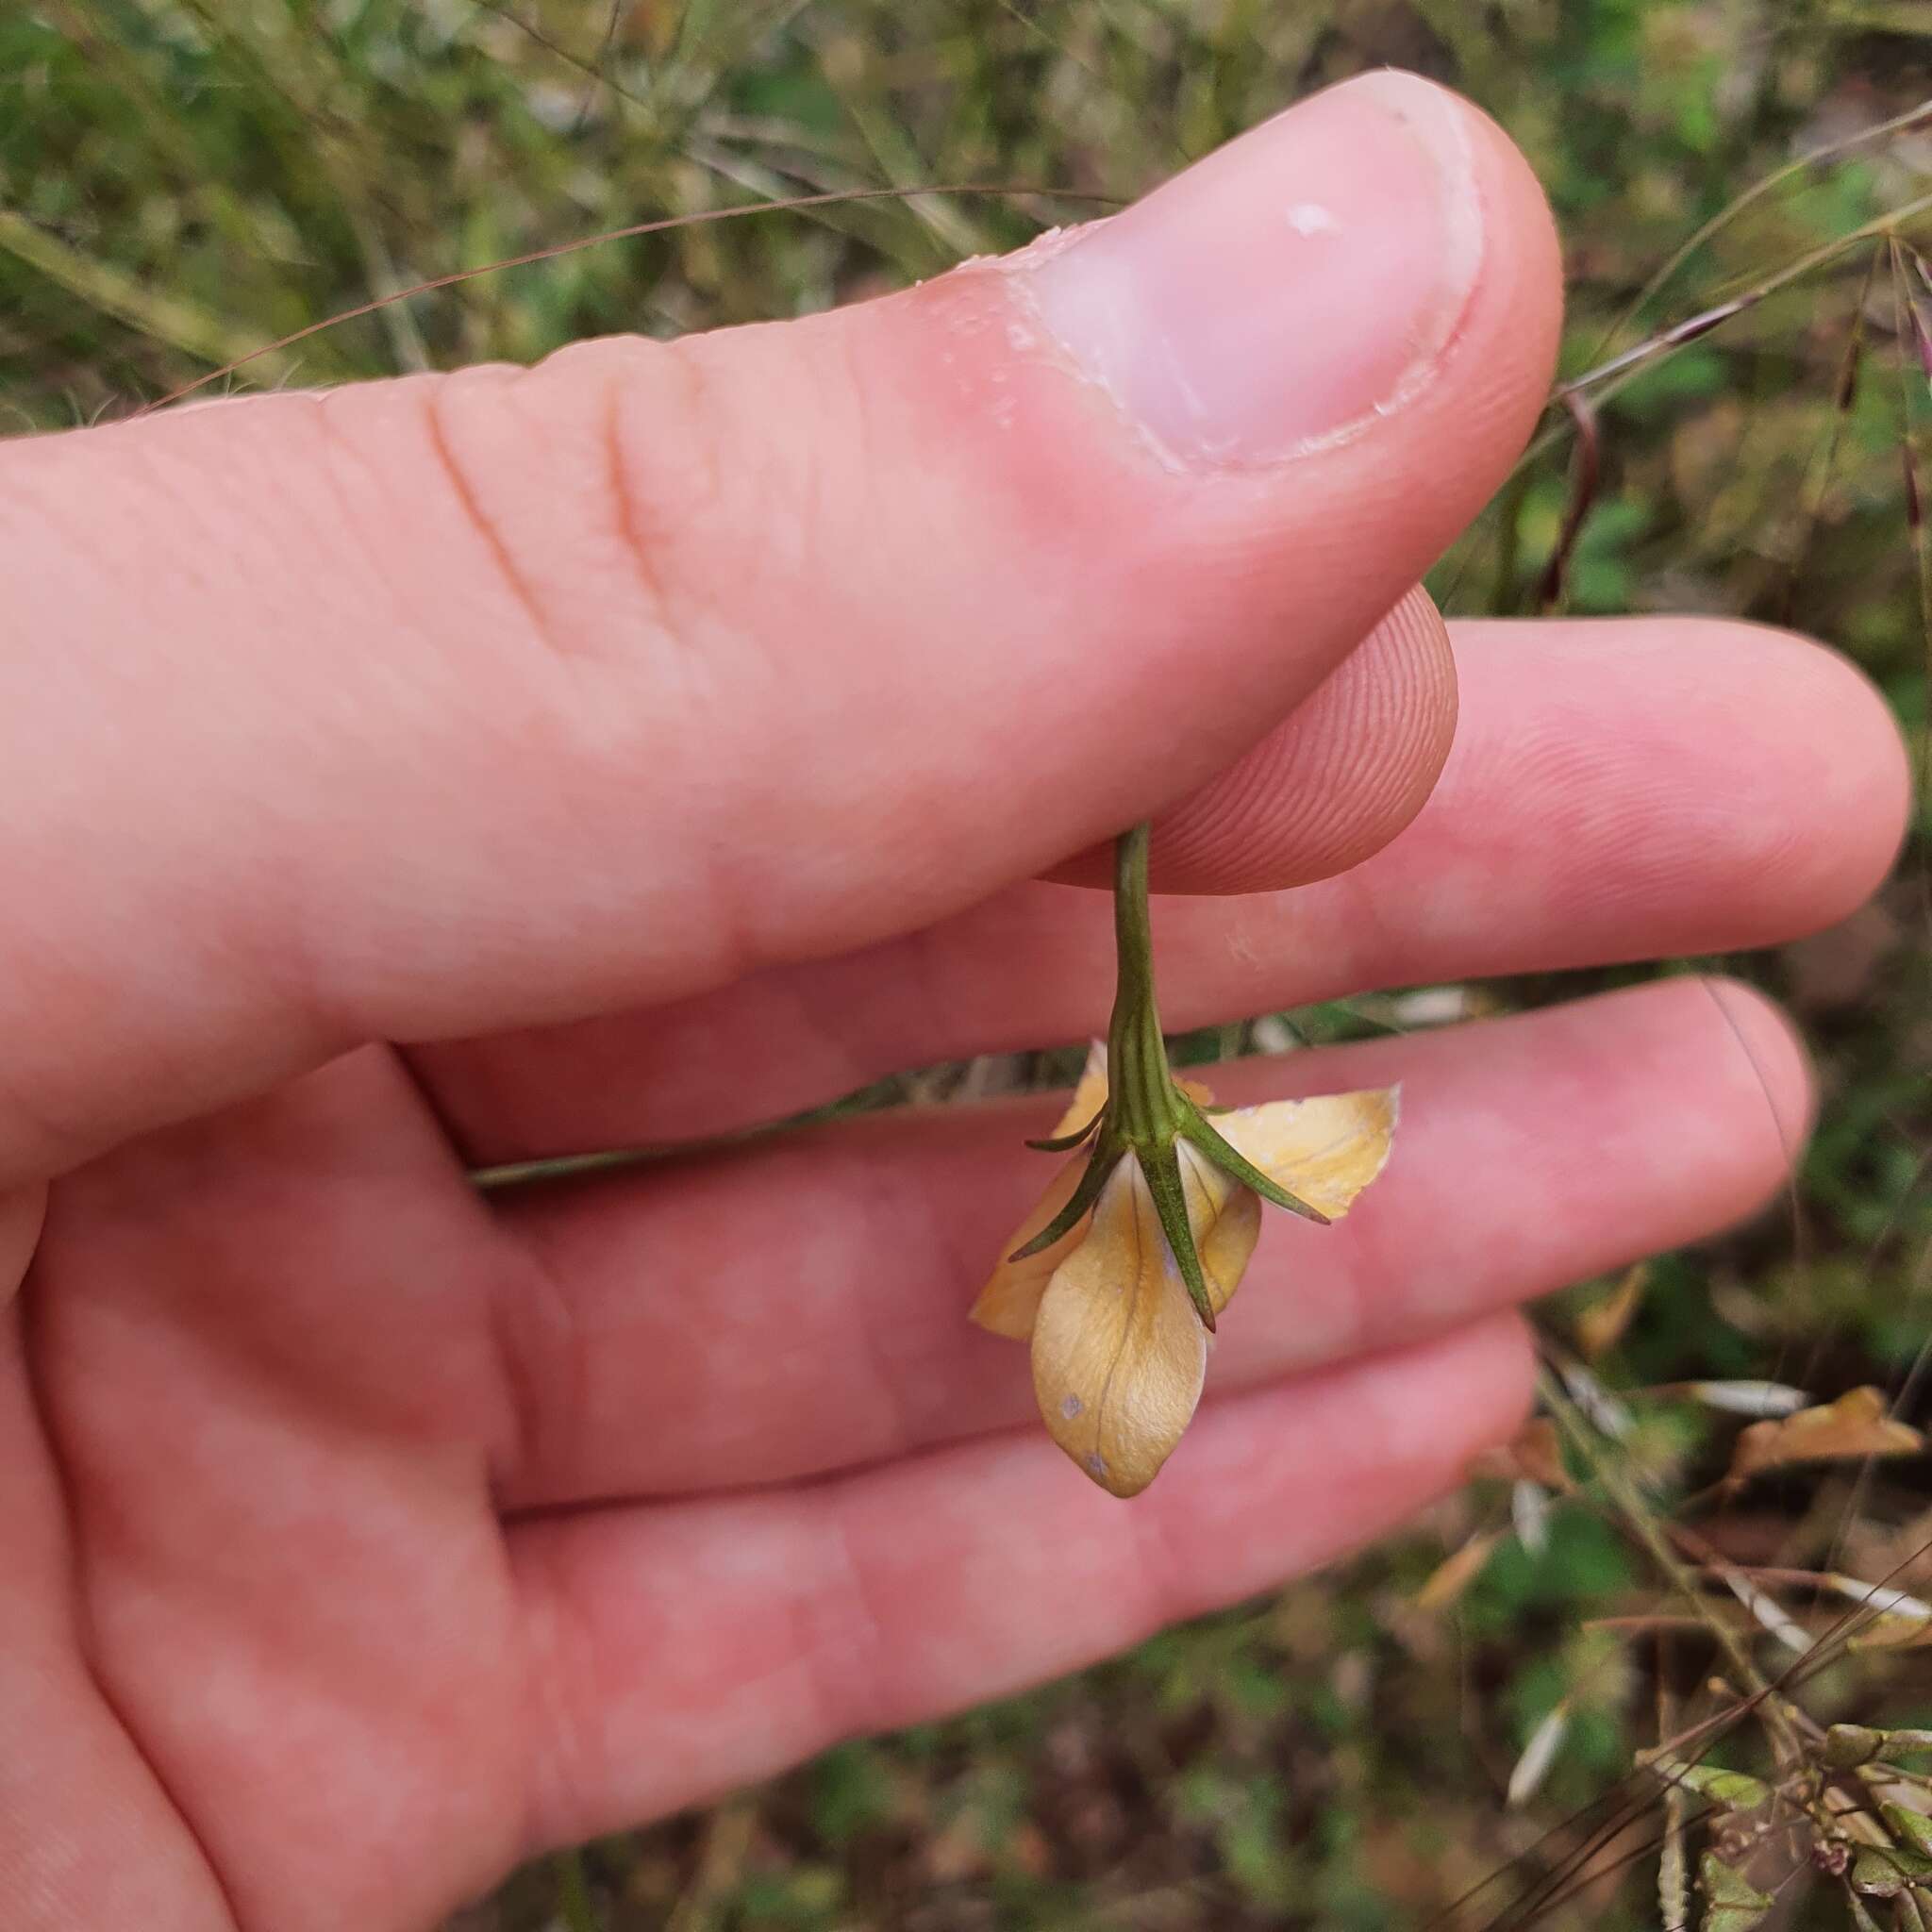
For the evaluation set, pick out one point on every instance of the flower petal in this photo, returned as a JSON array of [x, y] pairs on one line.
[[1010, 1298], [1119, 1353], [1324, 1150], [1009, 1302], [1226, 1221], [1089, 1096]]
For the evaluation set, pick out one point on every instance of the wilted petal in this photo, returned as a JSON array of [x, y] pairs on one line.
[[1324, 1150], [1225, 1218], [1119, 1353], [1010, 1298], [1089, 1096]]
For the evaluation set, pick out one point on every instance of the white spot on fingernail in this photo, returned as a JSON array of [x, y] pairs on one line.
[[1311, 218]]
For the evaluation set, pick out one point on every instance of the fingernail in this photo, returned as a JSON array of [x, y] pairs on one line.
[[1285, 292]]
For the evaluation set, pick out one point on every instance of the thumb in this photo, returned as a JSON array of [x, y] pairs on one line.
[[451, 703]]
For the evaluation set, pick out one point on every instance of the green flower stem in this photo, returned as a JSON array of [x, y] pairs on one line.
[[1146, 1107], [1143, 1112], [1146, 1114], [1147, 1111]]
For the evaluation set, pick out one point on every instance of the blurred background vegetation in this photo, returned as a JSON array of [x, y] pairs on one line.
[[184, 180]]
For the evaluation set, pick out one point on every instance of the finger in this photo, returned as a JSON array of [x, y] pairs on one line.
[[778, 1315], [681, 1650], [1601, 802], [21, 1215], [454, 704], [84, 1781], [1336, 780]]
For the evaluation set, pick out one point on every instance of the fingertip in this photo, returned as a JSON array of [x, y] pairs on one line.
[[1336, 781], [1858, 800], [1328, 786], [1500, 1361], [1769, 1056], [1815, 798], [1223, 574], [1515, 324]]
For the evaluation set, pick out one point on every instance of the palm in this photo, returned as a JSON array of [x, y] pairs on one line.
[[315, 1425], [273, 1414]]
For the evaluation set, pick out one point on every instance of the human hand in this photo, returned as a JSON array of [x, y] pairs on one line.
[[467, 769]]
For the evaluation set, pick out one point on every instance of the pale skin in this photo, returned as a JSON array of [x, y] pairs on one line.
[[469, 768]]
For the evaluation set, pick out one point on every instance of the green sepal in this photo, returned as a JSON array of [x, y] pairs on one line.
[[1884, 1871], [1738, 1789], [1914, 1827], [1065, 1143], [1105, 1155], [1847, 1746], [1231, 1161], [1731, 1902], [1162, 1167]]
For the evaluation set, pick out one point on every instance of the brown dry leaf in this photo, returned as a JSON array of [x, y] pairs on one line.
[[1119, 1353], [1601, 1326], [1855, 1426], [1536, 1456], [1455, 1572], [1324, 1150]]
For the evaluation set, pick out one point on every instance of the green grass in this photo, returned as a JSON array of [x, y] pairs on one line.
[[182, 180]]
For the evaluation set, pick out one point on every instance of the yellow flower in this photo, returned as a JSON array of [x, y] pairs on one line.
[[1120, 1352]]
